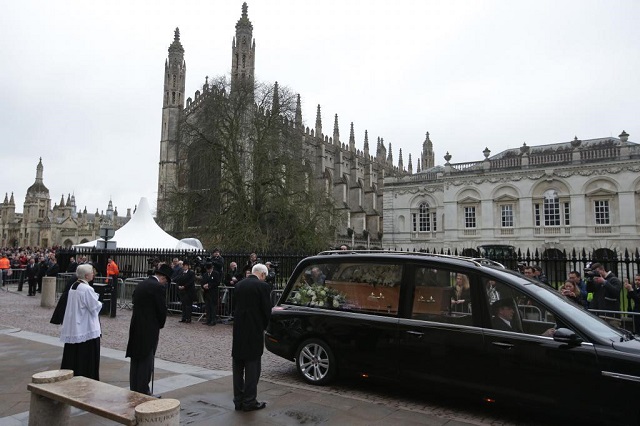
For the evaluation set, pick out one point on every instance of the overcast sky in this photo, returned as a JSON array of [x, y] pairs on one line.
[[82, 81]]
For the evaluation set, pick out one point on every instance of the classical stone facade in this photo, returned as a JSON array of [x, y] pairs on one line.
[[583, 194], [353, 176], [40, 225]]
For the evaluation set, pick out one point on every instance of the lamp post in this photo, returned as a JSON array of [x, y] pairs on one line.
[[107, 233]]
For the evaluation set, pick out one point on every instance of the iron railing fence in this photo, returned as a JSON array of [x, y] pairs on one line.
[[556, 264], [135, 263], [132, 263], [140, 263]]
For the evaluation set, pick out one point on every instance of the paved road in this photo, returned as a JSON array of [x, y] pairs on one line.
[[210, 347]]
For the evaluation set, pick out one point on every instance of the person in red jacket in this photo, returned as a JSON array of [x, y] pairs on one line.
[[112, 272], [5, 265]]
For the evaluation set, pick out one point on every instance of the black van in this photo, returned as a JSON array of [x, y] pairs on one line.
[[454, 322]]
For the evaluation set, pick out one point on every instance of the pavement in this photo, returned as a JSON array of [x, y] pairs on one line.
[[193, 366], [205, 395]]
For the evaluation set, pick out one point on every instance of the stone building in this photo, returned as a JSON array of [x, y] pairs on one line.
[[40, 225], [577, 194], [353, 176]]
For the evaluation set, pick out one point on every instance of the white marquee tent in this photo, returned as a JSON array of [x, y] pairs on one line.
[[143, 232]]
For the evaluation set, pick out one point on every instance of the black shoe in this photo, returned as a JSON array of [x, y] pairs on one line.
[[238, 407], [182, 320], [188, 321], [255, 406], [211, 324]]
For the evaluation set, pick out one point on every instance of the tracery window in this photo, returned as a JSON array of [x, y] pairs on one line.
[[424, 220]]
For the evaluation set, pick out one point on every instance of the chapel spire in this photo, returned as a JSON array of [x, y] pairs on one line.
[[366, 144], [243, 52], [352, 140], [318, 123], [298, 119]]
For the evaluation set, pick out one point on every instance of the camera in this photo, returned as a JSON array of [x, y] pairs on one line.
[[274, 266], [589, 273], [198, 262], [271, 275]]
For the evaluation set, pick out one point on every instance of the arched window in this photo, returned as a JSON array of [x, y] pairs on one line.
[[424, 220]]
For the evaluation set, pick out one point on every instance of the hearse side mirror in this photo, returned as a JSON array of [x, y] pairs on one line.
[[564, 335]]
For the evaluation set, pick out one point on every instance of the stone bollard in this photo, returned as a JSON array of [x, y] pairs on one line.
[[161, 412], [48, 299], [44, 411]]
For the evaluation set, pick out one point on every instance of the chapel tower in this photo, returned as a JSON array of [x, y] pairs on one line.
[[243, 52], [428, 157], [36, 208], [172, 106]]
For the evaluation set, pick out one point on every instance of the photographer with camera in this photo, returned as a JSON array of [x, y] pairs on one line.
[[271, 275], [605, 287], [633, 294], [217, 261]]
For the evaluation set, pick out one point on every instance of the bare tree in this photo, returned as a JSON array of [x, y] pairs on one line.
[[243, 179]]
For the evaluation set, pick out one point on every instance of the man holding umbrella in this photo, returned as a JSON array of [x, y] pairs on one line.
[[149, 316]]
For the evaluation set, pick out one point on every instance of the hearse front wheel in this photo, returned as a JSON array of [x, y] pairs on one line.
[[315, 362]]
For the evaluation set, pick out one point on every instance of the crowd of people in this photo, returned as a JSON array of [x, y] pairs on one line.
[[30, 265], [212, 276]]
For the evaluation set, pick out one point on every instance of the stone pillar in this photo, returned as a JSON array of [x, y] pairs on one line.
[[44, 411], [48, 298], [160, 412]]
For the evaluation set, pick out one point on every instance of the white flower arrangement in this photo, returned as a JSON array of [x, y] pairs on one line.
[[317, 295]]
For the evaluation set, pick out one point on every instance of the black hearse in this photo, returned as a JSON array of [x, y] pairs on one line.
[[458, 323]]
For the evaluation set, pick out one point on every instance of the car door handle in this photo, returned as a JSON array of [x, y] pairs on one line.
[[416, 334], [503, 345]]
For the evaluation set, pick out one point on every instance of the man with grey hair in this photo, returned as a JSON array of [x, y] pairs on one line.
[[252, 311], [81, 331]]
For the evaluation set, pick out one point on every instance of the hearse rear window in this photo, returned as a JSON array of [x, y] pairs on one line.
[[354, 286]]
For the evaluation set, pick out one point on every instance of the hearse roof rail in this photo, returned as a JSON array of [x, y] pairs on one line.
[[476, 261]]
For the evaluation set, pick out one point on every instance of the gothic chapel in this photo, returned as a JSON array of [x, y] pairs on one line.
[[353, 176]]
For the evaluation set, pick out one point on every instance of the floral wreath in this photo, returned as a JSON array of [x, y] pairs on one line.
[[318, 295]]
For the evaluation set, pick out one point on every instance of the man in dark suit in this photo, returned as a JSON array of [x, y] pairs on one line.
[[186, 283], [210, 284], [252, 312], [149, 316], [73, 265], [233, 275], [606, 291], [32, 276], [217, 261], [503, 312], [42, 271], [54, 269]]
